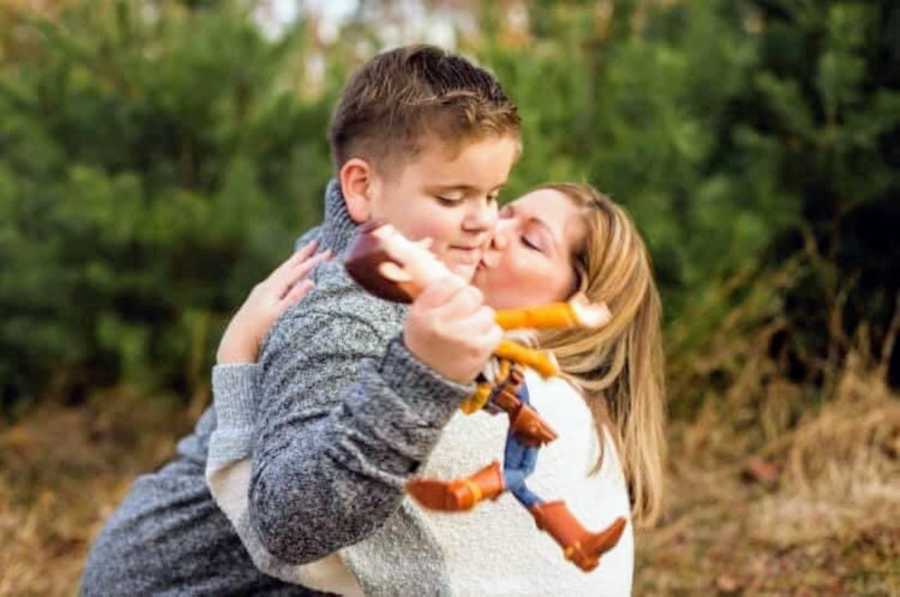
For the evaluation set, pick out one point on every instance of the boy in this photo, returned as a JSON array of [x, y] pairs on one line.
[[353, 398]]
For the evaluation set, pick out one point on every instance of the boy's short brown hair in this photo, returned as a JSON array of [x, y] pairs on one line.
[[399, 97]]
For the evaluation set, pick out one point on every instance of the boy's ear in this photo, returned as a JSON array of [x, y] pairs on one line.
[[358, 183]]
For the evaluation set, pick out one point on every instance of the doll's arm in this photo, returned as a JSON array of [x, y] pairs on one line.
[[578, 312], [542, 362]]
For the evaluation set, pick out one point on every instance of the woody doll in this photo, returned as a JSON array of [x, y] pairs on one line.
[[390, 266]]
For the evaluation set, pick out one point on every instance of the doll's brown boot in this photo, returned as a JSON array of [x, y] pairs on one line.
[[530, 427], [460, 494], [524, 421], [579, 545]]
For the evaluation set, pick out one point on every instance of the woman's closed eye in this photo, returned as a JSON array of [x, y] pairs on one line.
[[531, 244]]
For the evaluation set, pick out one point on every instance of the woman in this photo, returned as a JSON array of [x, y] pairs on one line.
[[549, 244]]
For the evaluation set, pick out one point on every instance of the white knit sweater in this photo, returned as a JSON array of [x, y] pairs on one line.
[[494, 549]]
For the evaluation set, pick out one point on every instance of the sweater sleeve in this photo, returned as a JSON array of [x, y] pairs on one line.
[[235, 392], [346, 415], [234, 388]]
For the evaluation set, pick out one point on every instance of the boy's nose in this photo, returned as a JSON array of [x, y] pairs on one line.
[[482, 216]]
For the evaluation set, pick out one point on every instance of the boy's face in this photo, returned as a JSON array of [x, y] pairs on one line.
[[451, 199]]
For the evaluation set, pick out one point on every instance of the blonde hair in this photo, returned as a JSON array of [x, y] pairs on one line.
[[619, 367]]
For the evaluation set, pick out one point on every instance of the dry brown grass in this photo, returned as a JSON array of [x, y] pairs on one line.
[[62, 471], [817, 513], [777, 486]]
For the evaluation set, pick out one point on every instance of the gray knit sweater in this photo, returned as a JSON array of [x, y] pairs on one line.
[[346, 414]]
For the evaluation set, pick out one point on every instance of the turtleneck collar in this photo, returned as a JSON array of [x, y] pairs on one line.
[[338, 228]]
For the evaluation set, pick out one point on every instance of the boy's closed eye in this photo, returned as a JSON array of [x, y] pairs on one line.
[[455, 194], [448, 201]]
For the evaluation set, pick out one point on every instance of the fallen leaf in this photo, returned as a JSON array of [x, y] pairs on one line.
[[727, 583], [760, 471]]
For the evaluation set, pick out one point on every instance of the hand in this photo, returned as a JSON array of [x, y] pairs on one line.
[[267, 301], [451, 330]]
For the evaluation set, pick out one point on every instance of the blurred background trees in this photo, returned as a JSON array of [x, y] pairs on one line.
[[158, 157], [155, 160]]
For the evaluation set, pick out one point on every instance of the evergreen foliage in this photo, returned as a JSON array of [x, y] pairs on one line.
[[154, 161], [156, 158]]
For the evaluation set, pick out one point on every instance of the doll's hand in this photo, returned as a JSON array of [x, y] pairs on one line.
[[267, 301], [451, 330]]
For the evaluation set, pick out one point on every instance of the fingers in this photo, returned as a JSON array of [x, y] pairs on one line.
[[481, 329], [306, 265], [482, 345], [298, 291], [296, 258], [451, 298], [307, 250], [295, 269], [301, 270], [451, 330], [478, 321], [439, 292], [463, 303]]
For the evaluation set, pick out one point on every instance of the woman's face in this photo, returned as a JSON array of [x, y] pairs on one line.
[[530, 260]]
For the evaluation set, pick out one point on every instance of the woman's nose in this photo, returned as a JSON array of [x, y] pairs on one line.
[[503, 232], [501, 238]]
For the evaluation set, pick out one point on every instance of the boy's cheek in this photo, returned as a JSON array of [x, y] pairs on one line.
[[433, 227]]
